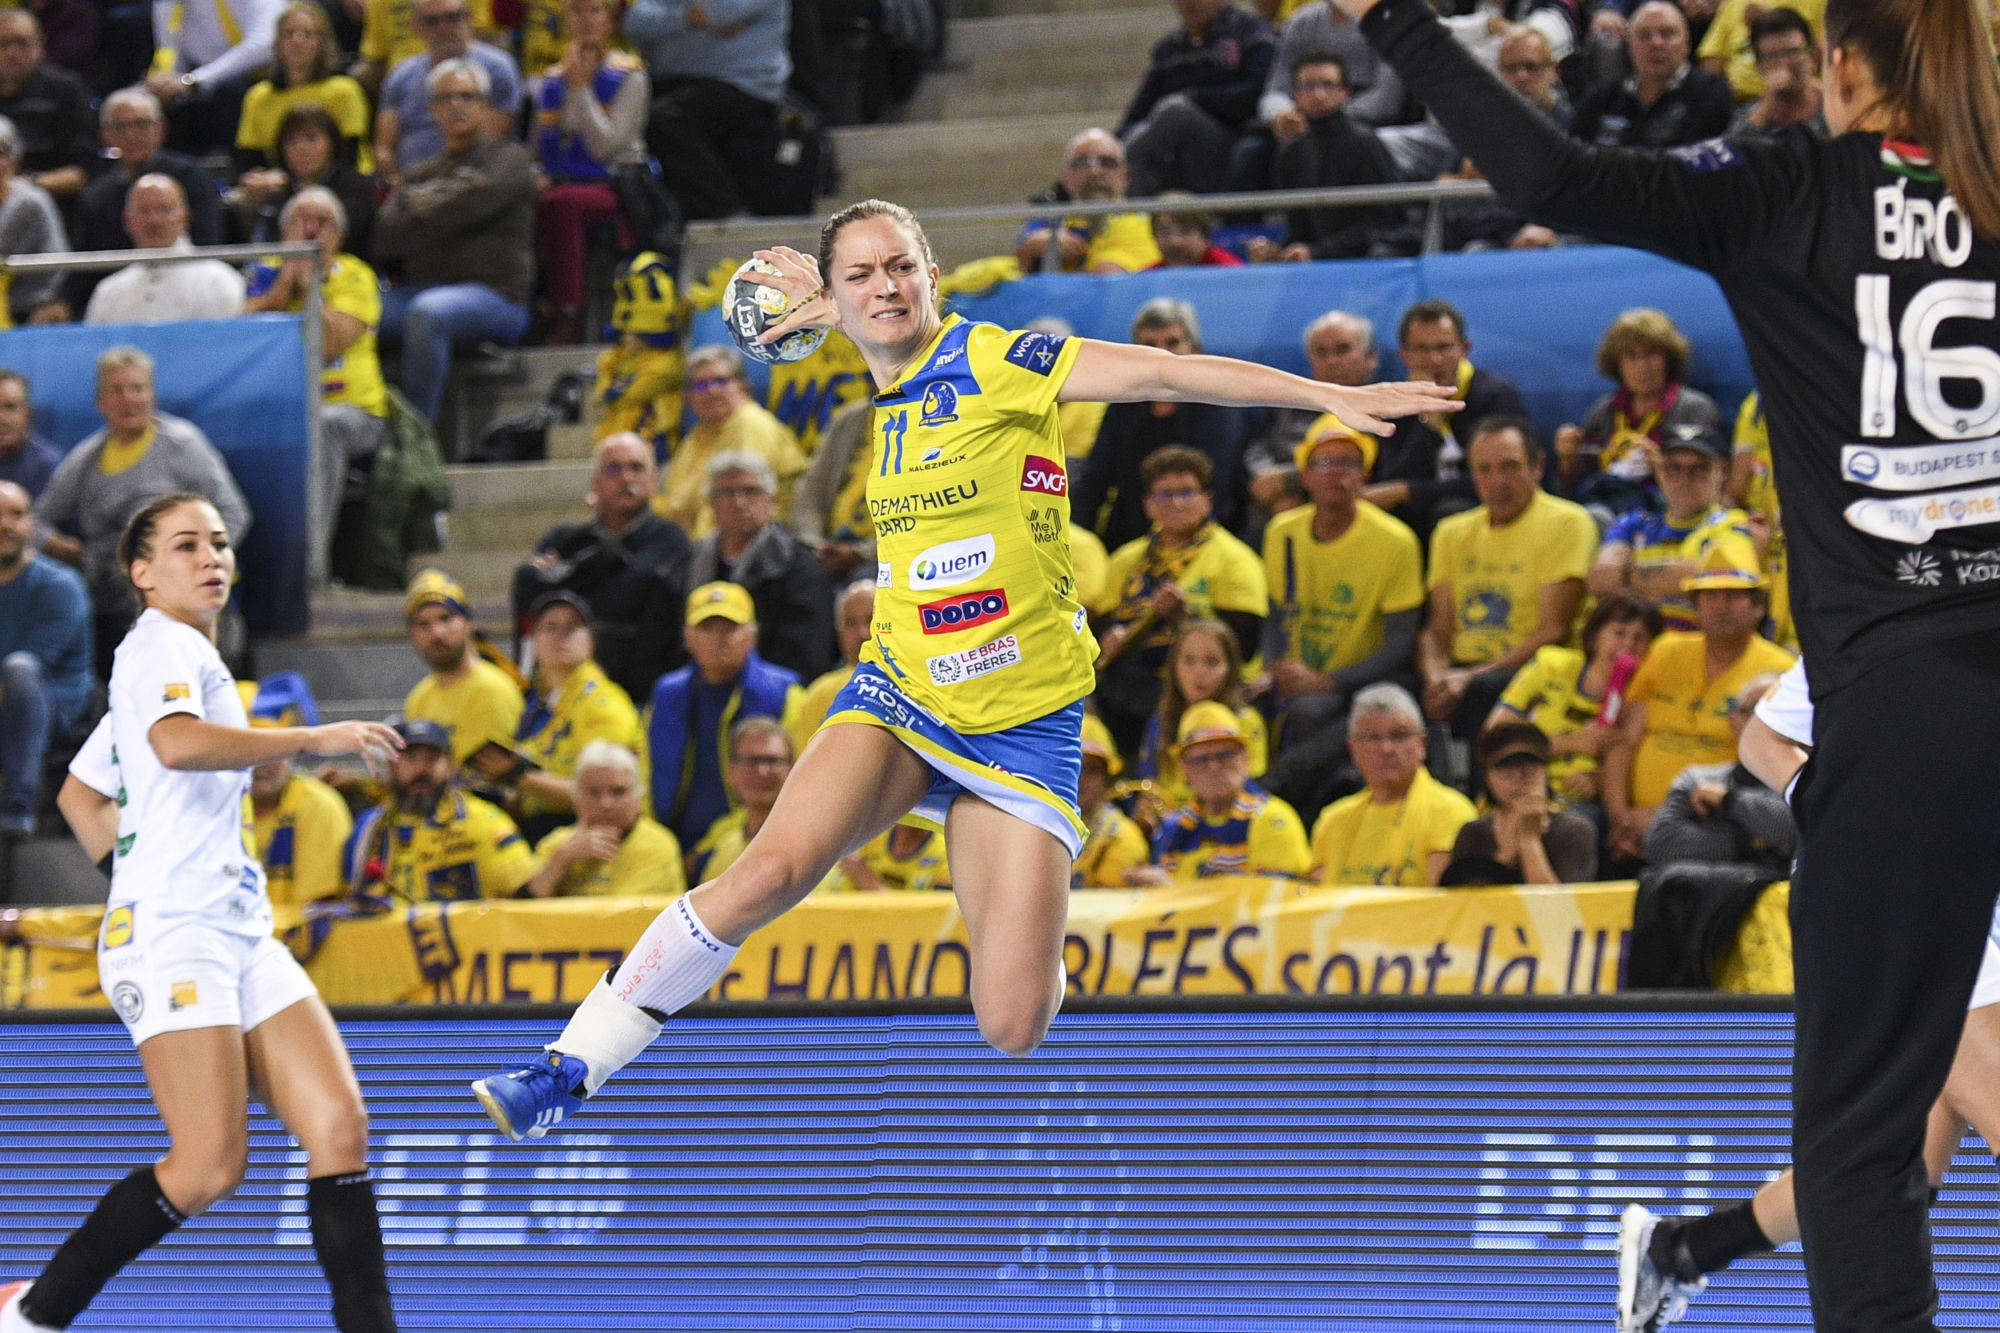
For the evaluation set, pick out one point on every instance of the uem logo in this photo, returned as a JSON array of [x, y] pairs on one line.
[[951, 563], [963, 611], [1039, 474]]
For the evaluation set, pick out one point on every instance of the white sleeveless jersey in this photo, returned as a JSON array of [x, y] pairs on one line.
[[185, 845]]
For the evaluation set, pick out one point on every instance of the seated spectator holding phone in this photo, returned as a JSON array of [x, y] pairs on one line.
[[430, 842], [570, 703], [1522, 838], [614, 849]]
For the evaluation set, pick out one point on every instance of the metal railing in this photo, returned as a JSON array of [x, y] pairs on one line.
[[709, 242], [311, 323]]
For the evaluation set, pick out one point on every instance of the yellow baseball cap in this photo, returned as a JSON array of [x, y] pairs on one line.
[[1209, 721], [434, 587], [1097, 744], [727, 600], [1729, 562], [1331, 427]]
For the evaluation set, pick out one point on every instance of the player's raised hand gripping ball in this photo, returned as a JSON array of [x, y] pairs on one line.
[[753, 307]]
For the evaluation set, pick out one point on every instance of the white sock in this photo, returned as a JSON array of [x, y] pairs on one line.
[[606, 1034], [13, 1321], [674, 963]]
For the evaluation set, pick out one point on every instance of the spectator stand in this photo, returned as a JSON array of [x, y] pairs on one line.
[[251, 383], [1257, 311]]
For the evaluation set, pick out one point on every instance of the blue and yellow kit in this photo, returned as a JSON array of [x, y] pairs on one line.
[[976, 614]]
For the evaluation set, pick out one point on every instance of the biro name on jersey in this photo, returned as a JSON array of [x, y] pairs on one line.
[[952, 668]]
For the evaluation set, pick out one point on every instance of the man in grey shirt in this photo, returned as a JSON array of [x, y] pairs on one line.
[[141, 453]]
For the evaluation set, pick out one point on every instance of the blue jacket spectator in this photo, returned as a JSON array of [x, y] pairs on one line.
[[45, 658], [26, 459], [693, 709]]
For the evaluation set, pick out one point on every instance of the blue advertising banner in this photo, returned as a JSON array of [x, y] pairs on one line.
[[1220, 1171], [1534, 316], [243, 381]]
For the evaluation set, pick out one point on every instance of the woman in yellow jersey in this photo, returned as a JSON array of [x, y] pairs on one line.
[[966, 706]]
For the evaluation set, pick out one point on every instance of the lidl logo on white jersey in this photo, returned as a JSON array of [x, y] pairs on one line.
[[949, 564], [951, 668], [1039, 474]]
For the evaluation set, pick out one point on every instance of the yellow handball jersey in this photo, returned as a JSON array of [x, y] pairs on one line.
[[648, 862], [1548, 691], [1332, 596], [300, 842], [976, 611], [589, 707], [1115, 846], [818, 697], [1687, 714], [1753, 437], [464, 849], [482, 705], [1260, 835], [1497, 574]]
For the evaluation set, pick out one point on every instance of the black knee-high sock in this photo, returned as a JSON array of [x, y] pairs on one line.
[[132, 1217], [1709, 1244], [347, 1234]]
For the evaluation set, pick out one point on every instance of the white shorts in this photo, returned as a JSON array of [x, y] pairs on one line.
[[194, 976], [1986, 990]]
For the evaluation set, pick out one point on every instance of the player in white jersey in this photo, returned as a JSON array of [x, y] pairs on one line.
[[217, 1007], [1664, 1261]]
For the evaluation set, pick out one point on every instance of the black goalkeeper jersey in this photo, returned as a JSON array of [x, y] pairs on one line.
[[1867, 305]]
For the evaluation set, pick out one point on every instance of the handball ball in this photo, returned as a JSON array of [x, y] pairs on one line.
[[752, 308]]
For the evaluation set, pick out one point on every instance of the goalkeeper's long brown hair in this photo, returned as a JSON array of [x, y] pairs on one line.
[[1933, 64]]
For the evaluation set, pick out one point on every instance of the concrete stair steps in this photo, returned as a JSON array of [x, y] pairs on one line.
[[489, 486], [943, 164], [968, 10], [1065, 61]]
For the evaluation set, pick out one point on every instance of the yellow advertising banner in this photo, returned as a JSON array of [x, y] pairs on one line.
[[1220, 937]]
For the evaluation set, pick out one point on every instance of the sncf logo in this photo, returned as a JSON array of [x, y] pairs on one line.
[[1039, 474], [963, 611]]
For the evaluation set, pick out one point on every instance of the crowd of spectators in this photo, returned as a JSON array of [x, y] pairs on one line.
[[1458, 654], [1533, 694]]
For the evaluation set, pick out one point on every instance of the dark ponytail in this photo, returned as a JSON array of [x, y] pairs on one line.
[[137, 542], [1933, 61]]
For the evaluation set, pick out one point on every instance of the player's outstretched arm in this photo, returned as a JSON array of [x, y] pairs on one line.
[[1685, 203], [1108, 372]]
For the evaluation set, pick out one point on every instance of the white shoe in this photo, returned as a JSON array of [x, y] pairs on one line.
[[1649, 1298], [11, 1318]]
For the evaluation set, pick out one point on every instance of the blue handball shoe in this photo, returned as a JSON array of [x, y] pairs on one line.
[[532, 1100]]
